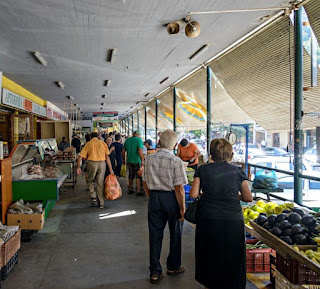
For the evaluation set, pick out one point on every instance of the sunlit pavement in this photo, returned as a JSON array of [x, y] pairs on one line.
[[82, 247]]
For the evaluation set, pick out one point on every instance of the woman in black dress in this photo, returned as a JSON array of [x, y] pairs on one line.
[[220, 237]]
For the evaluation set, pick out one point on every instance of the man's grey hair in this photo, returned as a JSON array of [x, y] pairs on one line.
[[168, 139]]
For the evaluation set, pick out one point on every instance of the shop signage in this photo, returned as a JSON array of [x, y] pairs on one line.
[[54, 112], [106, 116], [38, 109], [14, 100]]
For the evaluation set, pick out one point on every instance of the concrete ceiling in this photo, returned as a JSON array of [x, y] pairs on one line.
[[74, 37]]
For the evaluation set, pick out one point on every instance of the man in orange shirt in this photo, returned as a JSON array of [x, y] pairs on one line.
[[97, 154], [189, 153]]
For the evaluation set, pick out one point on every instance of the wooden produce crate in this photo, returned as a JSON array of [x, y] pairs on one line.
[[11, 247], [283, 248]]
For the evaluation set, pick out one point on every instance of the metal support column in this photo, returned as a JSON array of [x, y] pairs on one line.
[[298, 96], [145, 122], [132, 123], [138, 126], [156, 121], [209, 78], [174, 109], [246, 127]]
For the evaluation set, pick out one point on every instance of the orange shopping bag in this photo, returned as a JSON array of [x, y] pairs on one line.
[[112, 188]]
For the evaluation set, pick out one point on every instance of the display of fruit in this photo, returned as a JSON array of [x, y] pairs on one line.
[[292, 226], [311, 254], [266, 209]]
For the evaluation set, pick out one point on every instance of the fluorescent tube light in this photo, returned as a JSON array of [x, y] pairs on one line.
[[163, 80], [107, 82], [70, 97], [112, 55], [60, 84], [199, 51], [40, 58]]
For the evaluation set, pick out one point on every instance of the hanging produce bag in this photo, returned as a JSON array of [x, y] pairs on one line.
[[265, 179], [123, 171], [112, 189]]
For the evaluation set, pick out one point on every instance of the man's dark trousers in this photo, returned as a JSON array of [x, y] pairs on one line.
[[163, 207]]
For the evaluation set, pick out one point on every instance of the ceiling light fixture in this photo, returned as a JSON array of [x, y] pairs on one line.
[[146, 94], [104, 96], [40, 58], [111, 55], [107, 82], [199, 51], [163, 80], [70, 97], [102, 103], [60, 84]]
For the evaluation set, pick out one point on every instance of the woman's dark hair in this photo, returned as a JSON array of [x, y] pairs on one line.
[[87, 137], [94, 134], [117, 137], [221, 150], [110, 133], [184, 142]]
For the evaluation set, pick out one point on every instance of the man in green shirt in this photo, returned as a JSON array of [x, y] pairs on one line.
[[133, 146]]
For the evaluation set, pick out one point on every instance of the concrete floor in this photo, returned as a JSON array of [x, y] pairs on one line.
[[89, 248]]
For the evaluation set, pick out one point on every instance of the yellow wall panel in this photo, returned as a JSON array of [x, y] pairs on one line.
[[12, 86]]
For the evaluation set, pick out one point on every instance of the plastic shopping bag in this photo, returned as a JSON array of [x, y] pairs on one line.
[[265, 179], [123, 171], [112, 189]]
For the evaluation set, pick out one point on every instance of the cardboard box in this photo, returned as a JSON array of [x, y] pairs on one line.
[[26, 221]]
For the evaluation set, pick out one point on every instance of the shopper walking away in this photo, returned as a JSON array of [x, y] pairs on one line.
[[76, 143], [112, 155], [97, 154], [189, 152], [220, 236], [133, 147], [149, 145], [118, 146], [163, 179], [63, 144]]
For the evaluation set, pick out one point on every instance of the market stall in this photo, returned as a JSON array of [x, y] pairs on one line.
[[294, 233], [36, 176]]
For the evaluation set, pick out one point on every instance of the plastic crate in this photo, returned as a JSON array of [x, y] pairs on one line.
[[283, 283], [296, 272], [5, 270], [258, 260], [273, 268]]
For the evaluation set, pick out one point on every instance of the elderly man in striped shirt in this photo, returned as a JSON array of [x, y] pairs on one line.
[[163, 179]]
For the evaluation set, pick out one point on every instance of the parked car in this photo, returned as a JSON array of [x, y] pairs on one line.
[[311, 155], [239, 152], [286, 163], [272, 151]]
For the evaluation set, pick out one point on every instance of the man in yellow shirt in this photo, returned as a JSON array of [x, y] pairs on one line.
[[97, 154]]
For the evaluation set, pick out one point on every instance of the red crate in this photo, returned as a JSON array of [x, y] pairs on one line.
[[258, 260], [296, 272]]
